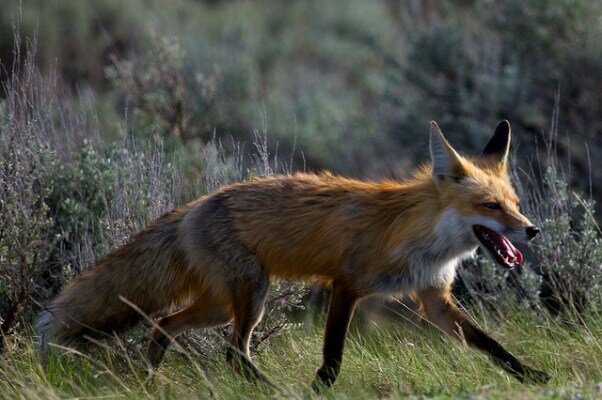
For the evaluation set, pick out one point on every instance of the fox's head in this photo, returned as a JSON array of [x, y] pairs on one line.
[[480, 202]]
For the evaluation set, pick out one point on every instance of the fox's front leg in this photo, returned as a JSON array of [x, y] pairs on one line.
[[440, 309], [340, 312]]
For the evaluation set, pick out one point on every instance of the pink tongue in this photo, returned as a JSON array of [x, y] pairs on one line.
[[509, 250]]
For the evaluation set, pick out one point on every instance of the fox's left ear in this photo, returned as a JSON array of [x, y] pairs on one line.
[[446, 161], [499, 145]]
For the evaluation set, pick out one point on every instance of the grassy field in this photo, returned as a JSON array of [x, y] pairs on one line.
[[397, 361]]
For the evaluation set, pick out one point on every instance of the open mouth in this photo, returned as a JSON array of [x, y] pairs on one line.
[[500, 248]]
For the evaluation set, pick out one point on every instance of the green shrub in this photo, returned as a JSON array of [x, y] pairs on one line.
[[570, 251], [169, 100], [26, 234]]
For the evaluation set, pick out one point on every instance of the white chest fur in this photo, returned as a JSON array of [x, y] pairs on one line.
[[430, 262]]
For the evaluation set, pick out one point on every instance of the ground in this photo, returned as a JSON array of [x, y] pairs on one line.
[[394, 361]]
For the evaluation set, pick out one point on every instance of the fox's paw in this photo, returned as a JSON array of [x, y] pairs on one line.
[[245, 367], [154, 354], [325, 378], [149, 377], [157, 346], [534, 376]]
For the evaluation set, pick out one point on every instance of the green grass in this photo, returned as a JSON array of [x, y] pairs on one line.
[[392, 362]]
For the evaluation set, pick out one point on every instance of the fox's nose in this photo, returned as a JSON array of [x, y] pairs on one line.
[[532, 231]]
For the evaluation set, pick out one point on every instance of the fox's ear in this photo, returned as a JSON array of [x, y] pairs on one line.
[[499, 144], [446, 162]]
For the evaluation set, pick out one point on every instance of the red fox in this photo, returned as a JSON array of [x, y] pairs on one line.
[[216, 255]]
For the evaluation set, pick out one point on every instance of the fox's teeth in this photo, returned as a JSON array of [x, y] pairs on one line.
[[500, 248]]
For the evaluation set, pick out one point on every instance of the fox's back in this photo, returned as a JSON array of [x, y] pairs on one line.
[[297, 225]]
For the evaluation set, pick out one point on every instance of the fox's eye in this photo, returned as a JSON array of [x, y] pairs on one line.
[[493, 206]]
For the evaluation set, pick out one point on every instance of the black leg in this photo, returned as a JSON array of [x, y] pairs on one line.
[[443, 312], [342, 305]]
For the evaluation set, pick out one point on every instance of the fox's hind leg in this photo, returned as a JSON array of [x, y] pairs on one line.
[[206, 312], [249, 294], [209, 234]]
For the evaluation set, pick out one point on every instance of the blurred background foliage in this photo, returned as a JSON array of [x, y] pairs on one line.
[[112, 112], [350, 80]]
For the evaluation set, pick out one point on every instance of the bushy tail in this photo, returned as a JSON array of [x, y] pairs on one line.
[[89, 305], [149, 272]]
